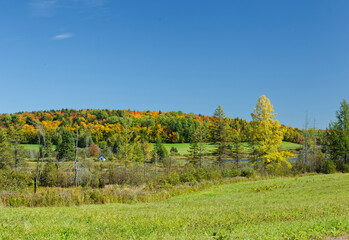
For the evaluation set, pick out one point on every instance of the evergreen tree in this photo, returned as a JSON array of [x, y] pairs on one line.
[[16, 137], [173, 152], [193, 155], [338, 135], [197, 146], [46, 147], [236, 146], [126, 140], [220, 133], [161, 151], [5, 155], [65, 150]]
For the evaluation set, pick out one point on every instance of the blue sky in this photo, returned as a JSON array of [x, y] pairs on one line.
[[176, 55]]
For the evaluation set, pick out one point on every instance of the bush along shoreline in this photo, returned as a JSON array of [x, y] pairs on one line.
[[165, 186], [59, 197]]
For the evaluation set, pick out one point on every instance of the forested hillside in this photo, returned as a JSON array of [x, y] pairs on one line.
[[104, 125]]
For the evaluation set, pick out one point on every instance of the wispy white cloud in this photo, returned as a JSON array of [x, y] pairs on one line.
[[63, 36], [43, 8], [48, 8]]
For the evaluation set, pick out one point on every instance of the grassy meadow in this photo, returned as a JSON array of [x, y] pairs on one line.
[[35, 147], [310, 207], [184, 147]]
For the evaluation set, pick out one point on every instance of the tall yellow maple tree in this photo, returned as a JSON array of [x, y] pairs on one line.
[[267, 136]]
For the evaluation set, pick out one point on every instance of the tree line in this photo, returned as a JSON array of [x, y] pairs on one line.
[[132, 143], [101, 126]]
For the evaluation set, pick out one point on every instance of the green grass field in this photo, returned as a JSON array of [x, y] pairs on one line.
[[184, 147], [34, 146], [31, 146], [290, 146], [310, 207]]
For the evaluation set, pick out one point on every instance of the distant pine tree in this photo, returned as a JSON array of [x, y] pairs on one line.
[[5, 154], [236, 146], [220, 135], [193, 155], [65, 150], [161, 151], [338, 135]]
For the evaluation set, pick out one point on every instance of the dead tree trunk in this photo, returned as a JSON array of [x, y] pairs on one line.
[[76, 160]]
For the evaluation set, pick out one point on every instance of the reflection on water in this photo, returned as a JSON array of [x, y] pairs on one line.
[[246, 160]]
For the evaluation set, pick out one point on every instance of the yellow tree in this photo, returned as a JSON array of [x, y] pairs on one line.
[[267, 137]]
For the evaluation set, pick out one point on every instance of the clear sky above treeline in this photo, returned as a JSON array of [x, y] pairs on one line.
[[176, 55]]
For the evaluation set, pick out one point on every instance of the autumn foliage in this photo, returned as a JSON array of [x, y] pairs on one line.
[[171, 127]]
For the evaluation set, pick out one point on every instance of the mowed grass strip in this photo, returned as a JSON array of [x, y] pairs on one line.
[[290, 146], [183, 148], [31, 146], [35, 147], [308, 207]]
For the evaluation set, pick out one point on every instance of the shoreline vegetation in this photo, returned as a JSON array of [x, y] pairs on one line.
[[63, 197]]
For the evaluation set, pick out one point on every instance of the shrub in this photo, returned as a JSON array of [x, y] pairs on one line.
[[49, 175], [248, 172], [345, 168], [277, 168], [14, 180], [174, 151], [231, 172], [200, 174], [190, 174], [187, 176], [172, 178], [93, 150], [213, 173], [330, 167]]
